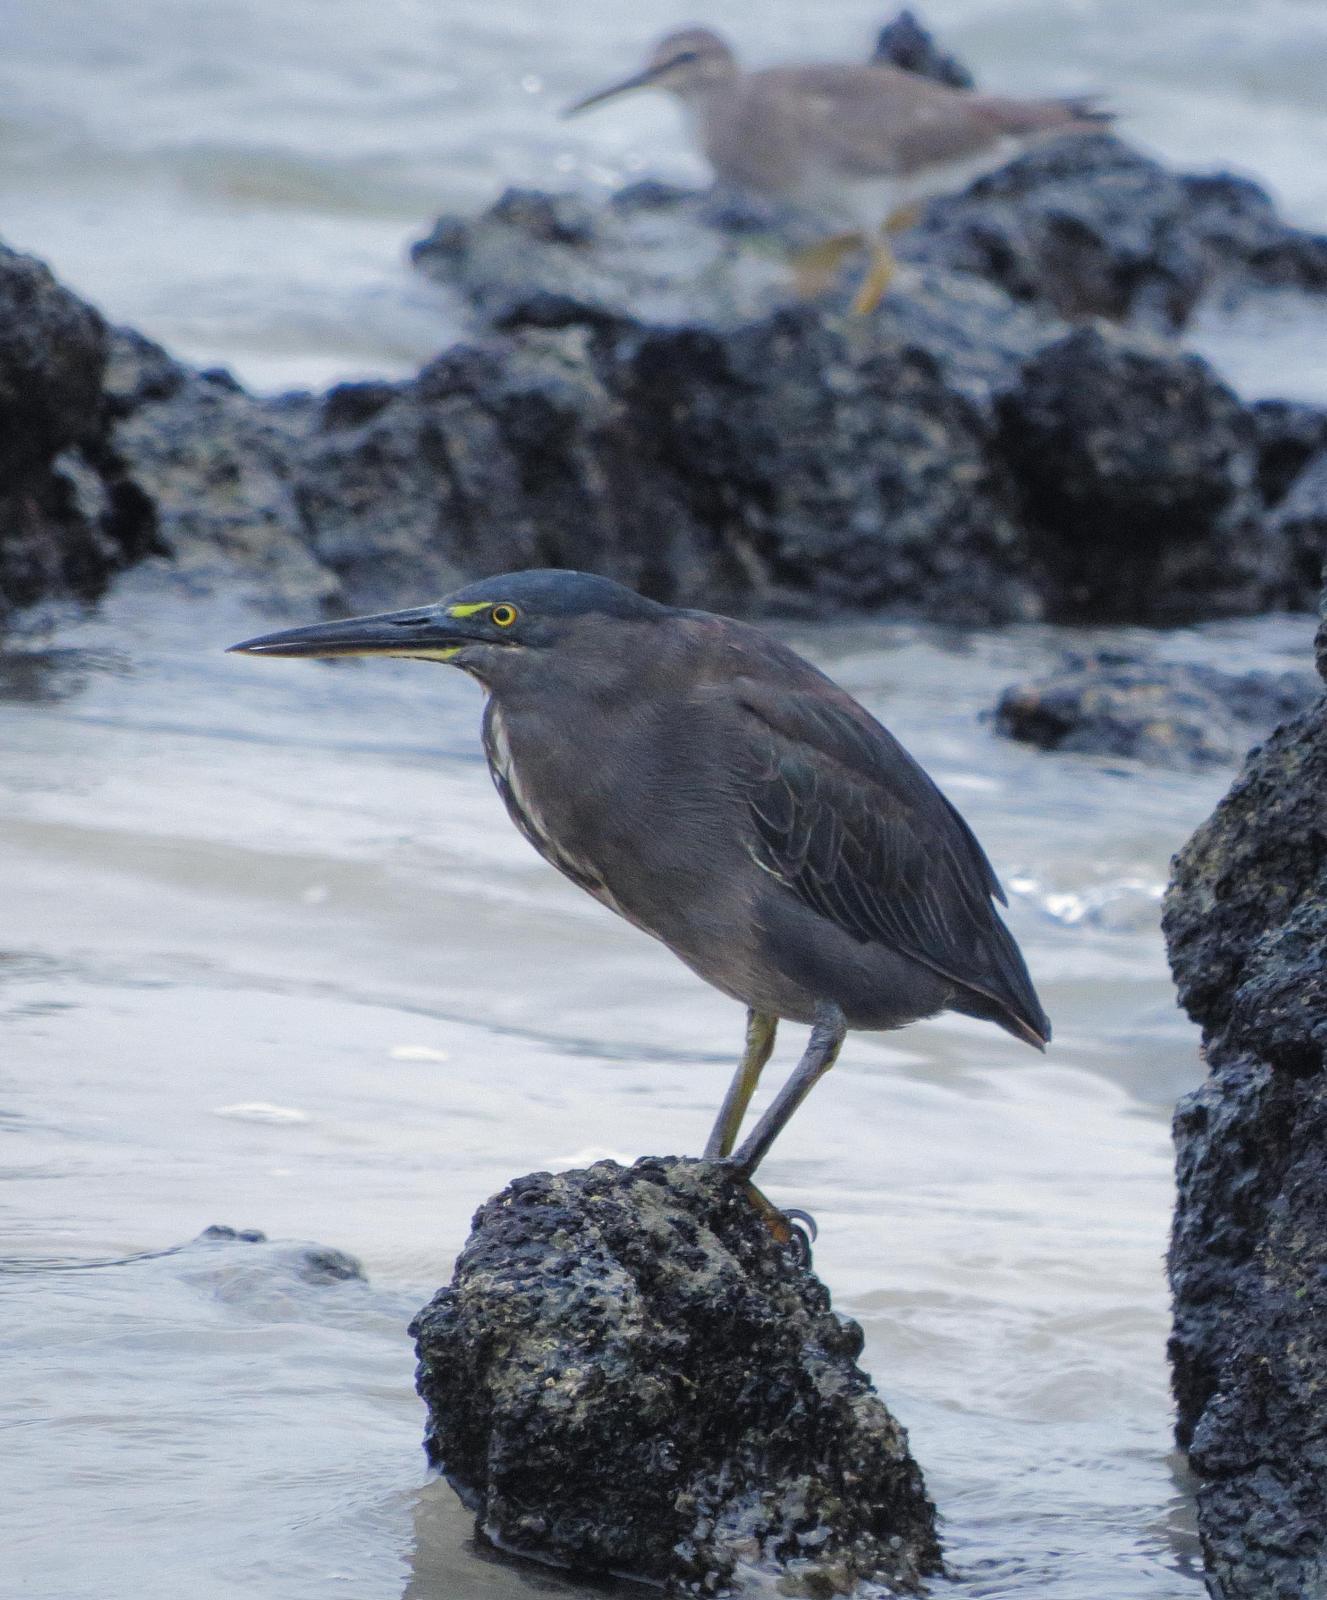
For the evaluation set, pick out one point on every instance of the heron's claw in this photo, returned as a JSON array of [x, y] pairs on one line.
[[795, 1230], [802, 1234]]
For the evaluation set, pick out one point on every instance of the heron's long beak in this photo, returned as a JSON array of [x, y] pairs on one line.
[[430, 632], [638, 80]]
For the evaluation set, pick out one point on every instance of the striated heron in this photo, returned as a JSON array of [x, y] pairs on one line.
[[712, 787]]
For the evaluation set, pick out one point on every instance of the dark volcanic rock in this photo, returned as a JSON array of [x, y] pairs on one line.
[[1087, 225], [845, 465], [1167, 712], [791, 462], [61, 532], [1298, 523], [1288, 434], [52, 356], [214, 469], [1246, 925], [1137, 467], [628, 1375], [905, 43]]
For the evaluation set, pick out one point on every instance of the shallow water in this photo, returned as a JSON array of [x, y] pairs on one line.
[[273, 957], [240, 179]]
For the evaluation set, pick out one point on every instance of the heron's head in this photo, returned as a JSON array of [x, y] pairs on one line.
[[688, 62], [504, 631]]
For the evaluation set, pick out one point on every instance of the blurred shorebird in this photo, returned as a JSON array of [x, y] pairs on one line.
[[709, 785], [868, 143]]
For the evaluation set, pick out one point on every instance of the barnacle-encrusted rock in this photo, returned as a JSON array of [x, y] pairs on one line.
[[627, 1374]]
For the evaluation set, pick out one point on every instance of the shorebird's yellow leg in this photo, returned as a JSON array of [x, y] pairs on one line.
[[902, 217], [879, 276], [815, 266]]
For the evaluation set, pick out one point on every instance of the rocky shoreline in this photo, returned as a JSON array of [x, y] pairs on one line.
[[1246, 926], [1014, 435]]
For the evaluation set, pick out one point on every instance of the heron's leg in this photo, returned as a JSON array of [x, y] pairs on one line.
[[815, 266], [821, 1052], [760, 1031], [879, 276]]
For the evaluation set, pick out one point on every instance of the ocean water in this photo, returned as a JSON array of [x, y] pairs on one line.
[[272, 957]]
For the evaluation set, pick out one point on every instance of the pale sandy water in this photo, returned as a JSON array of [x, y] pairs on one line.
[[272, 956]]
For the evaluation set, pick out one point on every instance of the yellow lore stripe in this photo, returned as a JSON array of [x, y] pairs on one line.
[[471, 610]]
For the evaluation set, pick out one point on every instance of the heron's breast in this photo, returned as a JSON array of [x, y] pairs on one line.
[[538, 808]]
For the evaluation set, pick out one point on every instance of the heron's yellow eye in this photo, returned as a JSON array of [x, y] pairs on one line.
[[504, 616]]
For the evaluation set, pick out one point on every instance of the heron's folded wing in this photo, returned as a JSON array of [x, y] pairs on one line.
[[846, 818]]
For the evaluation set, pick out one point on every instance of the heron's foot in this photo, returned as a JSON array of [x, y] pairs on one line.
[[795, 1230], [816, 266]]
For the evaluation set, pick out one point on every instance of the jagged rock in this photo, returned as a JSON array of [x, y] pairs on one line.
[[792, 462], [1246, 926], [1287, 434], [58, 531], [211, 469], [1166, 712], [1245, 241], [654, 254], [628, 1375], [1086, 225], [52, 356], [1298, 523], [1137, 468], [905, 43], [1076, 226]]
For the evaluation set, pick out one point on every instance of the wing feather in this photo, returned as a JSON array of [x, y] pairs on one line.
[[844, 816]]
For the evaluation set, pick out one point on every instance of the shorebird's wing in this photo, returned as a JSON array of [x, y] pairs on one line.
[[879, 121]]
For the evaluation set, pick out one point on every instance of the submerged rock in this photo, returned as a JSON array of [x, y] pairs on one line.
[[1167, 712], [628, 1375], [1246, 926]]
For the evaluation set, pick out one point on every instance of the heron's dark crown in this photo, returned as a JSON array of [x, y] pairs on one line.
[[550, 592]]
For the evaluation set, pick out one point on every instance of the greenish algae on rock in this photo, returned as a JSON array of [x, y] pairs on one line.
[[629, 1375]]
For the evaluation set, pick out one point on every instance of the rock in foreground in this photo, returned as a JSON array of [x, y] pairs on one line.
[[627, 1374], [1246, 926]]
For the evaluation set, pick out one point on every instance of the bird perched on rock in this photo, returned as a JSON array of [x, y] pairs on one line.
[[712, 787], [870, 143]]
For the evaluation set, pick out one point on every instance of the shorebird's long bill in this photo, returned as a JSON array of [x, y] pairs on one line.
[[424, 631], [638, 80]]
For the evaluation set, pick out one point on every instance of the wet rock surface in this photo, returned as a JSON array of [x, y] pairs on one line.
[[1164, 712], [905, 42], [627, 1374], [1137, 467], [643, 394], [61, 531], [1246, 926]]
